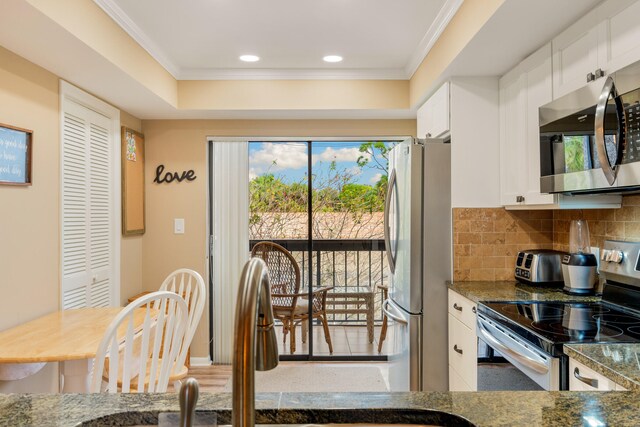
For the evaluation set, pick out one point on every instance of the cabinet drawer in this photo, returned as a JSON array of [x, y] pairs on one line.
[[463, 351], [456, 383], [587, 375], [462, 309]]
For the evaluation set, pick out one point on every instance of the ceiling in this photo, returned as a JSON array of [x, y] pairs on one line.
[[202, 39]]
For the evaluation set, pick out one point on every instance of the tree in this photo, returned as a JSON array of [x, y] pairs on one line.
[[341, 206], [376, 156]]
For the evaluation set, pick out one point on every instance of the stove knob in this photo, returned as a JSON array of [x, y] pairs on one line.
[[617, 256], [604, 256]]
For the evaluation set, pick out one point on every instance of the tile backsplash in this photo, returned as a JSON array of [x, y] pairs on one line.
[[487, 240], [604, 224]]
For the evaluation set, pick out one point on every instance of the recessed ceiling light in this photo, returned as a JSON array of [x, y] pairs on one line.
[[249, 58], [332, 58]]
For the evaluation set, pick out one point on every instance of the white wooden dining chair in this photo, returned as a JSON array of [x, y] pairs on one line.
[[143, 341], [190, 285]]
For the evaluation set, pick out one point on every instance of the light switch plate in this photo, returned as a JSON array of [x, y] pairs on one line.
[[178, 226]]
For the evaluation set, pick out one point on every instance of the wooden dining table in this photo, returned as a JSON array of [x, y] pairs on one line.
[[70, 337]]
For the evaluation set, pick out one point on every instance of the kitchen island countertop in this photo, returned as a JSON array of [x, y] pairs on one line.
[[480, 408], [513, 291]]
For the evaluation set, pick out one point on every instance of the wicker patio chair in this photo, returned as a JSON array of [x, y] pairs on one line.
[[290, 305]]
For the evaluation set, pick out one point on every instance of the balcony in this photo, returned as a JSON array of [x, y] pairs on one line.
[[349, 265]]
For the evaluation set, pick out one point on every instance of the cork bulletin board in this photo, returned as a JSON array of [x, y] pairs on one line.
[[132, 182]]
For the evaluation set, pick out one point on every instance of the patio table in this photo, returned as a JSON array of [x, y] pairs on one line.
[[70, 337], [349, 300]]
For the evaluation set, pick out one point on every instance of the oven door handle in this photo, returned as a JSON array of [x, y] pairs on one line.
[[527, 361]]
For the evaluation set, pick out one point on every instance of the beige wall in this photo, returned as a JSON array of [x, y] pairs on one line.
[[466, 23], [30, 216], [293, 94], [86, 21], [181, 145]]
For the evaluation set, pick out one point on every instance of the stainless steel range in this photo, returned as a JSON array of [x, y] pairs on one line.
[[531, 334]]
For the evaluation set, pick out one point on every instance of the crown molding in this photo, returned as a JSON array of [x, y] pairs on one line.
[[116, 13], [292, 74], [446, 13]]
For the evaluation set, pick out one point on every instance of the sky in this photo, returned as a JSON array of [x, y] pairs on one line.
[[288, 160]]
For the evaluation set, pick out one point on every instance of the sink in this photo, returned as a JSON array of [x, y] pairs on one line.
[[380, 417]]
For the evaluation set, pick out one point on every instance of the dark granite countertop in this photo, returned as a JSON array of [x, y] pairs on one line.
[[512, 291], [479, 408], [618, 362]]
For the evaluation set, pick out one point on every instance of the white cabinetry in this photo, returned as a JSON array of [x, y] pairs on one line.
[[465, 110], [463, 344], [575, 55], [522, 91], [582, 378], [601, 42], [513, 161], [433, 116]]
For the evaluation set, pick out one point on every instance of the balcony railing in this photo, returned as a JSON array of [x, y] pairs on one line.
[[342, 263]]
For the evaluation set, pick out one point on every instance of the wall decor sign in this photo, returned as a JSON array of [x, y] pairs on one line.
[[15, 155], [133, 215], [168, 177]]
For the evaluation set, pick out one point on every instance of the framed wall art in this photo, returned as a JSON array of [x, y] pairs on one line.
[[133, 215], [15, 155]]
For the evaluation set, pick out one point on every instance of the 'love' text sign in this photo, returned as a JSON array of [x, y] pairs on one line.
[[168, 177]]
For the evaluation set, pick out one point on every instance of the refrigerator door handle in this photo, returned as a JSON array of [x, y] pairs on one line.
[[390, 315], [391, 255]]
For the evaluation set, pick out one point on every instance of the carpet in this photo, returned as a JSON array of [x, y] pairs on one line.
[[318, 379]]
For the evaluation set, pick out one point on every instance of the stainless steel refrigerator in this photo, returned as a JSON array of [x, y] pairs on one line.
[[418, 244]]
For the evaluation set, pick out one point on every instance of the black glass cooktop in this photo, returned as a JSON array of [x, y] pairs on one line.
[[551, 324]]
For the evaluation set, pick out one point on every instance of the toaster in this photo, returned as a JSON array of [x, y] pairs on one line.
[[541, 267]]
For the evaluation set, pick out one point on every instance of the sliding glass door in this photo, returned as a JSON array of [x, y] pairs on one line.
[[323, 201]]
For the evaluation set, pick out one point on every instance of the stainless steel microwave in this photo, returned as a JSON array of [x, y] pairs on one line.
[[590, 138]]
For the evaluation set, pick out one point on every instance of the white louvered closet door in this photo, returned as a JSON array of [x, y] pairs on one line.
[[87, 209]]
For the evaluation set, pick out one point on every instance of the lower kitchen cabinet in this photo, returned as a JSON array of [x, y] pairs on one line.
[[582, 378], [463, 344], [456, 383]]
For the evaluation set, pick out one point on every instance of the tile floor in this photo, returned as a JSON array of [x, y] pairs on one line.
[[214, 378], [346, 340]]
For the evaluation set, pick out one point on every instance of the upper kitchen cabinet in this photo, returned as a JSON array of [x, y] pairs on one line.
[[513, 162], [601, 42], [522, 91], [433, 116], [464, 110]]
